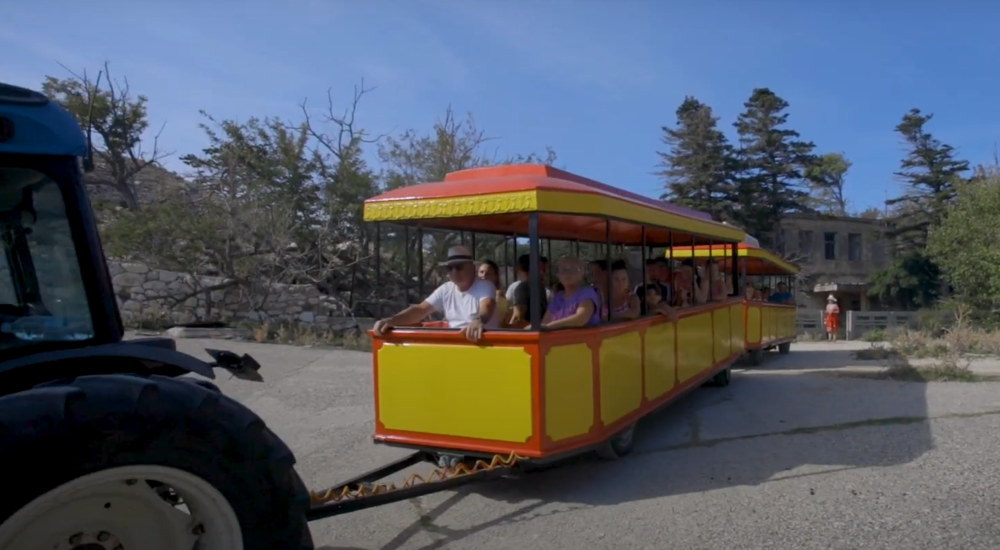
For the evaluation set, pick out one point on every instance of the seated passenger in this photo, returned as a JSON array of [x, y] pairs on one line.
[[658, 275], [716, 282], [468, 302], [656, 305], [624, 303], [520, 314], [577, 304], [523, 263], [690, 286], [599, 277], [490, 271], [782, 296]]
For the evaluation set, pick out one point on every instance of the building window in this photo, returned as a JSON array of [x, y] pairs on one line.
[[830, 246], [805, 244], [854, 247]]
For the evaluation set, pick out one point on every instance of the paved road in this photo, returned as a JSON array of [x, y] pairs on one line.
[[783, 459]]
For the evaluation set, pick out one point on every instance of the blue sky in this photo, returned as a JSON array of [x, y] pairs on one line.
[[594, 79]]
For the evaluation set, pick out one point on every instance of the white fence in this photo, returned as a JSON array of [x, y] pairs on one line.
[[855, 324]]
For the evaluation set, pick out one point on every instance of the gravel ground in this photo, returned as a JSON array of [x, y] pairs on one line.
[[783, 458]]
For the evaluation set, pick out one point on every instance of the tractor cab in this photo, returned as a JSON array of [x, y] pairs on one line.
[[52, 270]]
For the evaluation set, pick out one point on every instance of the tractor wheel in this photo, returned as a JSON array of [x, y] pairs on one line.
[[619, 445], [756, 357], [155, 463], [784, 348]]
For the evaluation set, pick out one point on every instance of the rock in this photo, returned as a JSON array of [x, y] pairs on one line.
[[307, 317], [127, 279], [141, 269]]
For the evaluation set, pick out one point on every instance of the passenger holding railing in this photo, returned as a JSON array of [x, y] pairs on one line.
[[655, 305], [658, 275], [577, 304], [624, 303], [468, 302]]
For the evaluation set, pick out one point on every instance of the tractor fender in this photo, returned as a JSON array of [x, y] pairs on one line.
[[154, 354]]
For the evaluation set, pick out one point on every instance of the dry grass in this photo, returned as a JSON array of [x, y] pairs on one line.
[[955, 341]]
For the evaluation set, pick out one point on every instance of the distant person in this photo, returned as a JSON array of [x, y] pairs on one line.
[[832, 318], [782, 296], [467, 302]]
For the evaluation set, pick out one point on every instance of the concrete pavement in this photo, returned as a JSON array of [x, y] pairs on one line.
[[781, 459]]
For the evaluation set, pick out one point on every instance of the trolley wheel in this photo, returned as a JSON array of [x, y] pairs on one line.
[[618, 445], [756, 357], [124, 461], [784, 348], [721, 378]]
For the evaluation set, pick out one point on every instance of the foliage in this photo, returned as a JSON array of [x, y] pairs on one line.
[[910, 281], [118, 120], [771, 162], [929, 173], [696, 169], [827, 177], [964, 243]]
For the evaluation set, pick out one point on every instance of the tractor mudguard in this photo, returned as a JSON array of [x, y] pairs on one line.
[[154, 352]]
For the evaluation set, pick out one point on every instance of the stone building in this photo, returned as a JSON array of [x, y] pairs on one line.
[[837, 256]]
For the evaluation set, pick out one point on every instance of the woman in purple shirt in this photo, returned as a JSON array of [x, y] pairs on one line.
[[577, 304]]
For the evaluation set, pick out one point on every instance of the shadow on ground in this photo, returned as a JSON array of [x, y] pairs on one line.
[[759, 430]]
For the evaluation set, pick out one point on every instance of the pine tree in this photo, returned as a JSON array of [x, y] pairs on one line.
[[929, 173], [696, 168], [772, 159]]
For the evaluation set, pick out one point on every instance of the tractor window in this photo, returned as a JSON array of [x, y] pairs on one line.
[[42, 296]]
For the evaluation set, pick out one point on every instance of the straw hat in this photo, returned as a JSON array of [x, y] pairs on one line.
[[831, 298], [458, 255]]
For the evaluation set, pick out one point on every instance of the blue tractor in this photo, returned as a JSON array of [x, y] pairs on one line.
[[108, 443]]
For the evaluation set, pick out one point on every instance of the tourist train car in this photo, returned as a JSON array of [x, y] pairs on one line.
[[767, 325], [545, 394]]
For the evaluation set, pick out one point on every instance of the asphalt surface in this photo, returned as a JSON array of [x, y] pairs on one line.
[[785, 458]]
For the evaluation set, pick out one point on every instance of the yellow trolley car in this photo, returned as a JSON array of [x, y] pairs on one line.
[[545, 394], [768, 324]]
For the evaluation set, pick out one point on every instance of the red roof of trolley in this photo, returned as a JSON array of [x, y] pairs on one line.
[[499, 199]]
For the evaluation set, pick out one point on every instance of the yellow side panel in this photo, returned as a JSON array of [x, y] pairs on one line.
[[766, 324], [621, 375], [720, 322], [661, 365], [754, 324], [569, 391], [462, 391], [737, 333], [788, 323], [694, 345]]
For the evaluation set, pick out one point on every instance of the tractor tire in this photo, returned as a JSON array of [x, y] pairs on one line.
[[105, 461]]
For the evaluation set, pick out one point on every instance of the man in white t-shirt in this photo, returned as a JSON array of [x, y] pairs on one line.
[[467, 302]]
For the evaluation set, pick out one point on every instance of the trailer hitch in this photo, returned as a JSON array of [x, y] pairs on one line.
[[243, 367]]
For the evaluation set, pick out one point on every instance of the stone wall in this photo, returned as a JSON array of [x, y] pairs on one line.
[[156, 296]]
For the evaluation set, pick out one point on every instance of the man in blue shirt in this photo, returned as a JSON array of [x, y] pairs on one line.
[[782, 296]]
